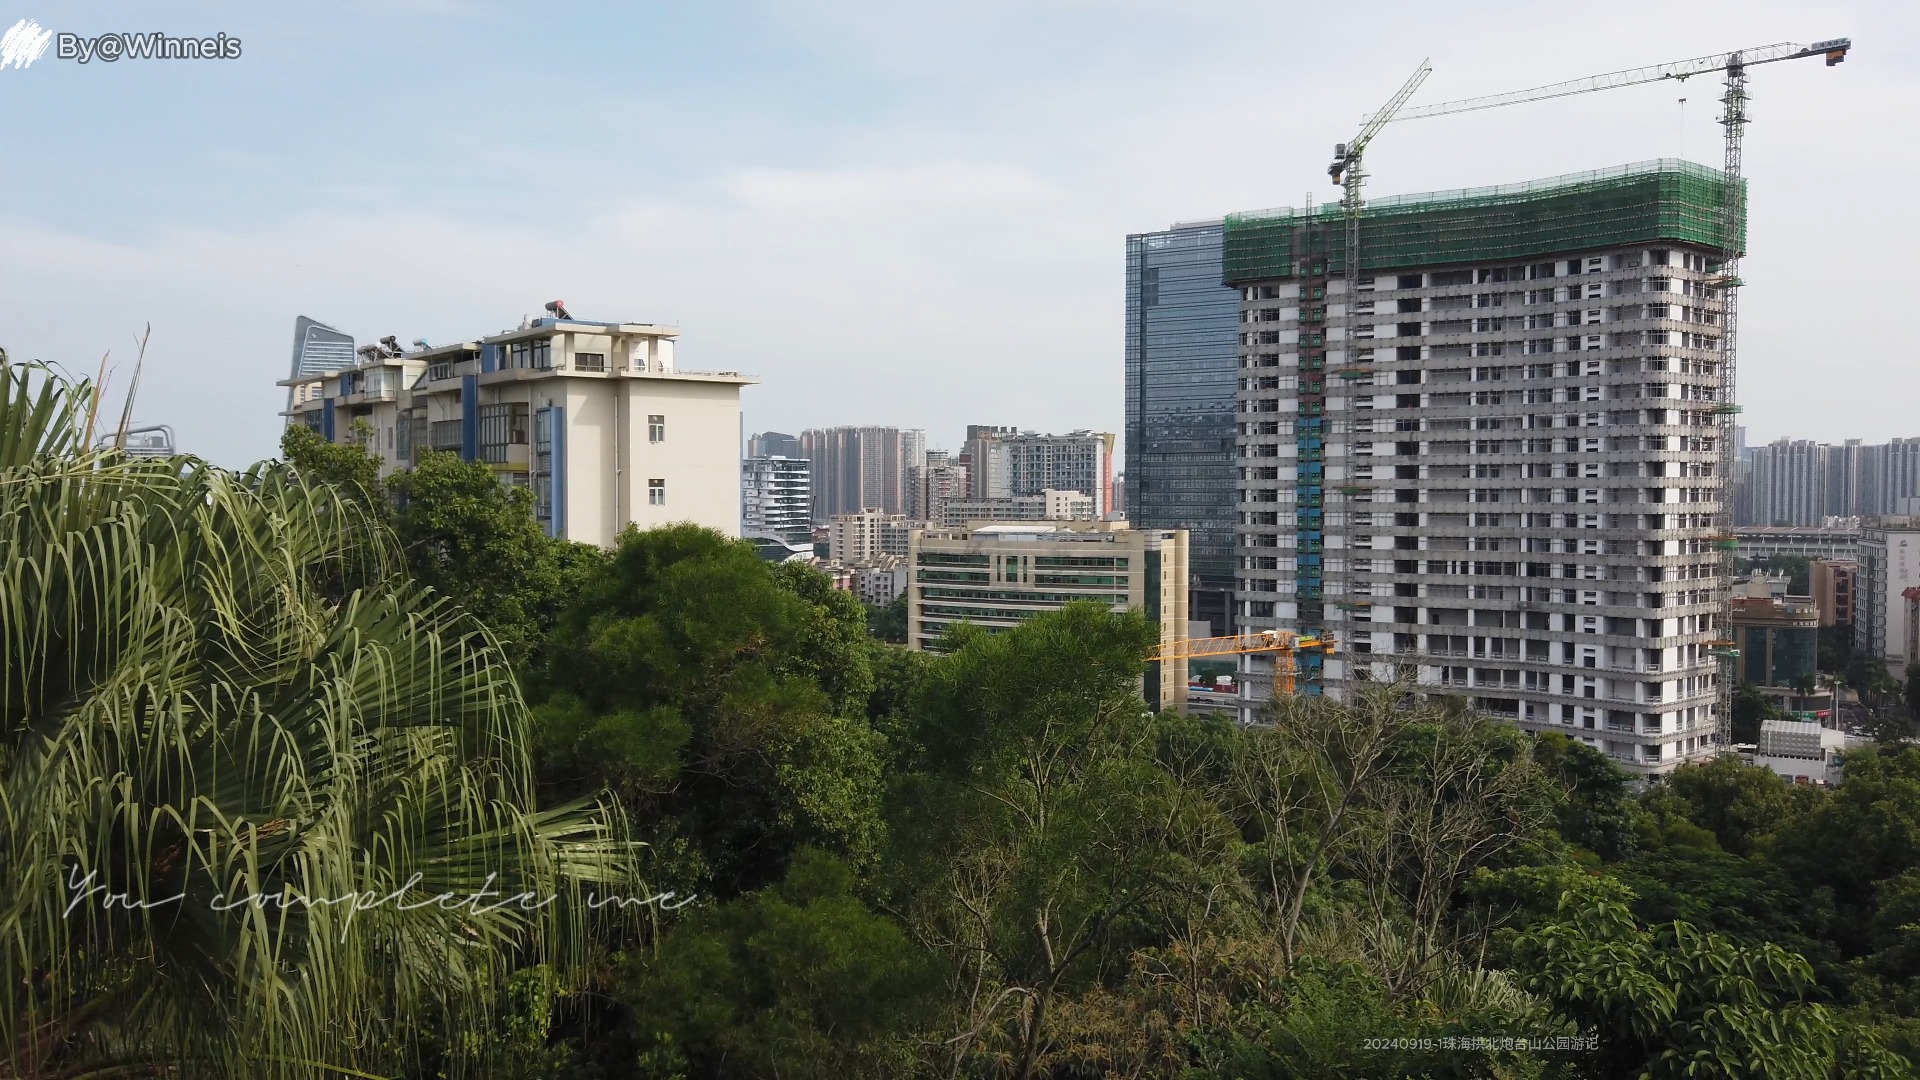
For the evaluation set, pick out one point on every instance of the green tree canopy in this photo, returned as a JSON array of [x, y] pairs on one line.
[[1673, 1001], [797, 980], [724, 698], [1738, 803]]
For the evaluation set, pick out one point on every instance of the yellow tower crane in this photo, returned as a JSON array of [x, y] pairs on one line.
[[1283, 645]]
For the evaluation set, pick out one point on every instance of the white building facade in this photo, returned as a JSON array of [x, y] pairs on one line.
[[594, 417], [1889, 560], [1496, 464]]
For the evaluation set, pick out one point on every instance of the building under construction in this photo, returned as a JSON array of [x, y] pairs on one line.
[[1496, 461]]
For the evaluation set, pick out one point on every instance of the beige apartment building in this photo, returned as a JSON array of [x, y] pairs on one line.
[[1885, 622], [997, 575], [594, 417], [862, 538]]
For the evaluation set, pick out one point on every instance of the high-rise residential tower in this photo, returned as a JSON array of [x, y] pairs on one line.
[[933, 486], [1797, 482], [776, 498], [985, 460], [1182, 360], [861, 468], [1003, 463], [1497, 463]]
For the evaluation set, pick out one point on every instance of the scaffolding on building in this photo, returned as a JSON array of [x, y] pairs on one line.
[[1661, 200]]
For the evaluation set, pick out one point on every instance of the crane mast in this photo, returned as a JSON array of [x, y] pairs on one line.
[[1348, 172]]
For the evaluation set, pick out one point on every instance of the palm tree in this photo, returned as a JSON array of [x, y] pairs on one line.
[[224, 716]]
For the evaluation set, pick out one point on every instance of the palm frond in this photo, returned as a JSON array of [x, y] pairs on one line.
[[226, 719]]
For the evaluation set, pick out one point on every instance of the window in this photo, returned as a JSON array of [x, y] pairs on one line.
[[543, 465], [656, 493], [589, 361], [656, 428], [445, 435], [537, 354], [501, 426]]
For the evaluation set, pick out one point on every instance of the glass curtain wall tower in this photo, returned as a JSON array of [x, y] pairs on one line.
[[1182, 359]]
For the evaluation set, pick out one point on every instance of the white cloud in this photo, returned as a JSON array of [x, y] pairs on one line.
[[868, 189], [957, 257], [846, 322]]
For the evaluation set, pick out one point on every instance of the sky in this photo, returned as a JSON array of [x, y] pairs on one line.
[[892, 213]]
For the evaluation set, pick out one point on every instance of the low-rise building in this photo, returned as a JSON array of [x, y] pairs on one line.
[[881, 582], [1833, 584], [594, 417], [1001, 574], [1801, 750], [1047, 505], [1778, 635]]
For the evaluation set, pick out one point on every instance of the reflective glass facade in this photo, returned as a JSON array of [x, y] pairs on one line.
[[1181, 369]]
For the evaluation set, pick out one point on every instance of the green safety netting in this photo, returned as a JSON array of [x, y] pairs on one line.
[[1652, 201]]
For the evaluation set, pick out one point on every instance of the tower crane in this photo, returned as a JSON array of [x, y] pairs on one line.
[[1733, 209], [1283, 645], [1348, 174]]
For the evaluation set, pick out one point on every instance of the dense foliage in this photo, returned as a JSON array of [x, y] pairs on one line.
[[243, 757], [992, 862]]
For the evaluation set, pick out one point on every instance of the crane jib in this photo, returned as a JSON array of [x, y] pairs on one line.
[[1833, 49]]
